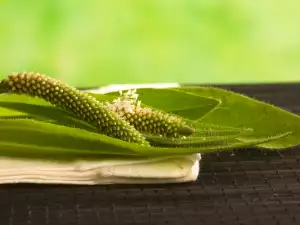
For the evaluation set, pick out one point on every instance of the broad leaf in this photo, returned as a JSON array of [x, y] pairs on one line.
[[189, 106], [45, 140], [21, 106], [240, 111], [205, 134], [237, 110]]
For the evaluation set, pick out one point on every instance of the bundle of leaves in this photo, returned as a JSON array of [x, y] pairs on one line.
[[43, 118]]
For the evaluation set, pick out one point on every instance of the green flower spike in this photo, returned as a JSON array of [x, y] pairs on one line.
[[80, 104], [147, 120]]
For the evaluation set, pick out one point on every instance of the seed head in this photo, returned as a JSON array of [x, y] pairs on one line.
[[147, 120], [80, 104]]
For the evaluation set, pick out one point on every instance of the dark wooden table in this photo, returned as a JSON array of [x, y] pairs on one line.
[[248, 187]]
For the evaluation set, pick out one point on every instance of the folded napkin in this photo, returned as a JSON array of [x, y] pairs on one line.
[[159, 170], [173, 169]]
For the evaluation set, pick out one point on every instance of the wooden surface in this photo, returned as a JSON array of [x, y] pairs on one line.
[[246, 187]]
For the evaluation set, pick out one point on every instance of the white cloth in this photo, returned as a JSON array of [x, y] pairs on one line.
[[161, 170], [124, 171]]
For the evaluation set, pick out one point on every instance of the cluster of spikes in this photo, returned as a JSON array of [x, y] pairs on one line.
[[124, 118], [148, 120]]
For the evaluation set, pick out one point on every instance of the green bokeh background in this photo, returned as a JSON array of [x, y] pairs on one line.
[[98, 42]]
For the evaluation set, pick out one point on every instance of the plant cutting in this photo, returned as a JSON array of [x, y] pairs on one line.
[[134, 135]]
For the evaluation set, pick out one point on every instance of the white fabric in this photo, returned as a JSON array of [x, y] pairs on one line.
[[170, 170], [160, 170]]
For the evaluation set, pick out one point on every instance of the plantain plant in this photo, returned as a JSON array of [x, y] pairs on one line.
[[43, 118]]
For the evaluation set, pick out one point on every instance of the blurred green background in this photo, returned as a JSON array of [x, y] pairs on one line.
[[97, 42]]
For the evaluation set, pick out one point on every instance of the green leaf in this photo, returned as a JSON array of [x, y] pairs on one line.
[[26, 136], [208, 130], [205, 134], [240, 111], [190, 141], [22, 106], [189, 106], [36, 139], [217, 146]]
